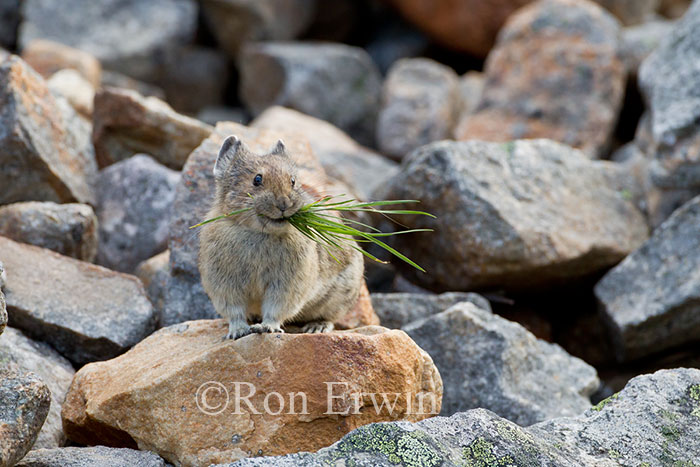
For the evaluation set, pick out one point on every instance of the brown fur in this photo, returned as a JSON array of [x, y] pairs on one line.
[[257, 266]]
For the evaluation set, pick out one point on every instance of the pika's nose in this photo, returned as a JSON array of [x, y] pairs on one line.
[[284, 203]]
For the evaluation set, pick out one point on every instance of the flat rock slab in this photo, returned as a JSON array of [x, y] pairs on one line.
[[651, 300], [180, 392], [98, 456], [86, 312], [396, 310]]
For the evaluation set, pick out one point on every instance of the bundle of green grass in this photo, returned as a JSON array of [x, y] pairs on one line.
[[319, 222]]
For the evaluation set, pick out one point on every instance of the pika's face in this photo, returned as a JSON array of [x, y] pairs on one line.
[[266, 183]]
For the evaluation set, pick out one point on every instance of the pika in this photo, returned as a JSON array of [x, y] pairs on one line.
[[255, 266]]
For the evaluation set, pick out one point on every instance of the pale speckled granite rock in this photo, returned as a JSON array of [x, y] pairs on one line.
[[98, 456]]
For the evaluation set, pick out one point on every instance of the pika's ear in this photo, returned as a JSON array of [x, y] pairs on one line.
[[279, 148], [229, 150]]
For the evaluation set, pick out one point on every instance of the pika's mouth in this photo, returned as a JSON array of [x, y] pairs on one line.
[[275, 220]]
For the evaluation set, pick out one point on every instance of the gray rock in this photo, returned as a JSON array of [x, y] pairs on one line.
[[98, 456], [236, 22], [518, 214], [86, 312], [114, 79], [631, 12], [471, 87], [334, 82], [342, 158], [55, 371], [135, 198], [395, 40], [489, 362], [212, 115], [3, 312], [669, 81], [24, 404], [69, 229], [46, 155], [131, 36], [126, 123], [651, 300], [154, 274], [420, 102], [638, 42], [396, 310], [653, 421], [9, 20]]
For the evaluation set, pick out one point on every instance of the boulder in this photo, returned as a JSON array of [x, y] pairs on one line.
[[489, 362], [3, 312], [86, 312], [48, 57], [141, 398], [420, 102], [471, 88], [79, 93], [134, 205], [114, 79], [236, 22], [638, 42], [126, 123], [55, 371], [514, 215], [651, 300], [131, 36], [341, 157], [669, 80], [396, 310], [69, 229], [334, 82], [98, 456], [653, 421], [554, 73], [44, 157], [154, 274], [631, 12], [24, 404]]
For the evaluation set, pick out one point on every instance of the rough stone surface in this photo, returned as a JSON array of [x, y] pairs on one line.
[[114, 79], [420, 102], [43, 155], [84, 311], [55, 371], [69, 229], [631, 12], [471, 87], [24, 404], [334, 82], [48, 57], [518, 214], [653, 421], [396, 310], [98, 456], [154, 274], [126, 123], [342, 158], [652, 299], [3, 309], [236, 22], [554, 73], [141, 398], [131, 36], [77, 90], [669, 80], [134, 205], [489, 362], [638, 42]]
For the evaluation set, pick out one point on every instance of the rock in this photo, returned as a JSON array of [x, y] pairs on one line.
[[134, 206], [84, 311], [394, 40], [342, 158], [113, 79], [514, 215], [48, 57], [98, 456], [126, 35], [651, 422], [3, 309], [334, 82], [396, 310], [69, 229], [215, 114], [419, 105], [76, 89], [468, 26], [668, 79], [489, 362], [141, 399], [55, 371], [24, 404], [631, 12], [554, 73], [9, 20], [471, 87], [651, 299], [154, 274], [638, 42], [361, 315], [236, 22], [674, 8], [126, 123], [44, 158], [185, 298]]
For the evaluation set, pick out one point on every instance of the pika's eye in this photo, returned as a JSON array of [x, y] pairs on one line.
[[257, 181], [293, 181]]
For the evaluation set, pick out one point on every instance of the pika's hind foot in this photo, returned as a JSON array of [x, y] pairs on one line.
[[236, 330], [316, 327], [263, 328]]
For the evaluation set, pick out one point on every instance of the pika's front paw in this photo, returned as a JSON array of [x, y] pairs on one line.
[[316, 327], [262, 328], [237, 331]]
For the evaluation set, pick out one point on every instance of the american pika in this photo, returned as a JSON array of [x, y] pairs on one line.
[[256, 266]]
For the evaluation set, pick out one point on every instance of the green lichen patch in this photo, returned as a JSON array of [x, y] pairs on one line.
[[694, 394], [514, 434], [605, 402], [671, 433], [613, 454], [480, 454]]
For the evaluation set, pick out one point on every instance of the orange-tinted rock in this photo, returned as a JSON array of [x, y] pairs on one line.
[[154, 396], [48, 57]]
